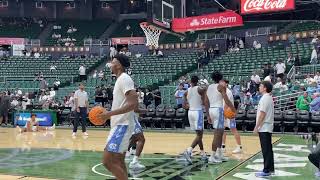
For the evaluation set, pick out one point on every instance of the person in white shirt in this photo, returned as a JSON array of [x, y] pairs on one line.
[[71, 103], [255, 78], [280, 69], [309, 79], [315, 40], [258, 46], [140, 96], [113, 52], [314, 56], [124, 103], [241, 44], [95, 74], [82, 72], [101, 74], [160, 53], [52, 93], [317, 77], [216, 94], [28, 54], [82, 104], [193, 98], [232, 125], [37, 55], [254, 45], [264, 127], [53, 68], [32, 125]]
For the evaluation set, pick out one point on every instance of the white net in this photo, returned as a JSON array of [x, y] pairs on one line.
[[152, 35]]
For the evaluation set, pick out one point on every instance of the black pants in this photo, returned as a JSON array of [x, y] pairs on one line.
[[83, 114], [267, 152], [314, 157]]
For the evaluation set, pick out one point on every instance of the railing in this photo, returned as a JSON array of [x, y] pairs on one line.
[[286, 101], [5, 79], [292, 73], [307, 69]]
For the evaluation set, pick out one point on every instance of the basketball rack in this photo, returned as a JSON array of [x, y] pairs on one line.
[[153, 31]]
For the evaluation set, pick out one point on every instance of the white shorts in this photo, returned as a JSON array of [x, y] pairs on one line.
[[195, 119], [217, 117], [119, 138], [230, 123]]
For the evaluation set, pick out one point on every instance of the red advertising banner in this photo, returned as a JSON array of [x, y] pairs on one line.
[[9, 41], [209, 21], [263, 6], [129, 40]]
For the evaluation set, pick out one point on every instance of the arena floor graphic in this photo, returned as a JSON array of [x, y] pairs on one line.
[[56, 155]]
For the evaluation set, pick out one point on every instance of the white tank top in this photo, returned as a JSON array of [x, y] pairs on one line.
[[194, 99], [214, 96]]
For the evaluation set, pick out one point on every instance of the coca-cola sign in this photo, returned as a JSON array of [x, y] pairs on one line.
[[263, 6], [209, 21]]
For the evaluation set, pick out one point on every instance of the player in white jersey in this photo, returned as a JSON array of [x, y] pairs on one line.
[[194, 99], [216, 94], [124, 103], [32, 125], [231, 124]]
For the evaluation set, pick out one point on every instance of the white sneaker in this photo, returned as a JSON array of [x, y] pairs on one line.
[[132, 151], [85, 134], [223, 158], [238, 150], [136, 165], [214, 160], [52, 127], [73, 134], [223, 150]]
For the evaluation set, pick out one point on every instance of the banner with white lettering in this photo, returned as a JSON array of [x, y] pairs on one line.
[[209, 21], [264, 6]]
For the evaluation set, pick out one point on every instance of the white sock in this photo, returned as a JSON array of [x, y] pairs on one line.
[[218, 152], [189, 149], [135, 159], [202, 153]]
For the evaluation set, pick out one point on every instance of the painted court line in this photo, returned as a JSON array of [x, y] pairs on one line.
[[106, 175], [240, 164]]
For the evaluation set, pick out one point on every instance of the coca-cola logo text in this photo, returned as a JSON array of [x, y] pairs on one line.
[[249, 6]]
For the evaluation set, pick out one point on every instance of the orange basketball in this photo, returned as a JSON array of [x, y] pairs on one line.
[[228, 113], [93, 115]]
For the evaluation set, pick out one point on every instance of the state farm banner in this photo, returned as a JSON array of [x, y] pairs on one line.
[[209, 21], [263, 6], [128, 40], [10, 41]]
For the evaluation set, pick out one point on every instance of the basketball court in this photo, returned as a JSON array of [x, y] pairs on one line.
[[56, 155]]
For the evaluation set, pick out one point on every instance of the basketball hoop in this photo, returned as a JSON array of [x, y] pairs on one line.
[[152, 34]]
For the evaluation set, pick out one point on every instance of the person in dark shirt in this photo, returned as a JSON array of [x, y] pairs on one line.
[[266, 71], [157, 97], [98, 95], [148, 98], [4, 107]]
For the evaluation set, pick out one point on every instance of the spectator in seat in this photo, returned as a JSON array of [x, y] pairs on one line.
[[315, 104], [53, 67], [241, 44], [303, 102], [291, 59], [82, 72], [312, 88], [309, 80], [160, 54], [157, 97], [101, 75], [317, 77], [266, 71], [216, 50], [297, 61], [95, 74], [36, 54], [315, 40], [179, 95], [314, 56], [280, 69], [140, 96], [148, 98]]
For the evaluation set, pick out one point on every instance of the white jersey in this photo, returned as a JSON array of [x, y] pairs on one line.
[[32, 123], [214, 96], [123, 84], [230, 96], [194, 99]]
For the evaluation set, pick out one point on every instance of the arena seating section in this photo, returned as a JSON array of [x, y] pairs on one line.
[[134, 30], [18, 27], [85, 29], [304, 26], [19, 72]]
